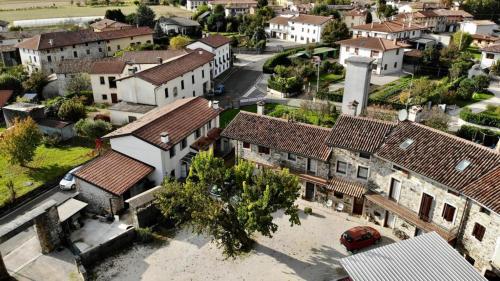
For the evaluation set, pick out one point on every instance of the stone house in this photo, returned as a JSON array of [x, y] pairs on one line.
[[354, 17], [218, 45]]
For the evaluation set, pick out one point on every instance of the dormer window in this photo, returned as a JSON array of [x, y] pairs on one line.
[[462, 165], [404, 145]]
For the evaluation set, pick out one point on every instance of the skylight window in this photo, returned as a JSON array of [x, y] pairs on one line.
[[462, 165], [406, 143]]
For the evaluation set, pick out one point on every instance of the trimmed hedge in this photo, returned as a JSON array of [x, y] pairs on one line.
[[474, 133], [479, 118], [279, 59], [285, 85], [335, 96]]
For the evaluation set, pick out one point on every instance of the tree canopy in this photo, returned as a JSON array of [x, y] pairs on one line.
[[145, 16], [72, 110], [230, 204], [115, 14], [462, 40], [19, 143], [334, 31], [180, 41]]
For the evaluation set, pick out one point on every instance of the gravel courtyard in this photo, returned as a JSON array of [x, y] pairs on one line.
[[310, 251]]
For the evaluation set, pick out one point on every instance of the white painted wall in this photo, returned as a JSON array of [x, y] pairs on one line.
[[192, 5], [122, 117], [391, 36], [392, 58], [473, 28], [487, 59], [222, 59]]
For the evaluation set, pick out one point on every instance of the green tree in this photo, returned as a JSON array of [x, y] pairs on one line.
[[145, 16], [482, 9], [180, 41], [230, 204], [78, 84], [261, 3], [481, 82], [72, 110], [115, 14], [466, 89], [92, 129], [461, 40], [18, 144], [36, 82], [10, 82], [334, 31]]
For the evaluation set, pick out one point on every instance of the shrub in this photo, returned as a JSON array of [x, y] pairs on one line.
[[280, 58], [481, 118], [481, 82], [473, 133], [285, 85], [18, 144], [72, 110], [145, 235], [308, 210], [51, 140], [466, 89], [92, 129], [10, 82], [331, 96]]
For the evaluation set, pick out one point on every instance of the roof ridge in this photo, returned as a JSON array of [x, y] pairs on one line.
[[370, 119], [284, 120]]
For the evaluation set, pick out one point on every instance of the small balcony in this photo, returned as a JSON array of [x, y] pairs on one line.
[[410, 216]]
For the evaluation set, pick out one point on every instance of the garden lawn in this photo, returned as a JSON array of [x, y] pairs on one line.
[[476, 97], [330, 78], [476, 53], [49, 164]]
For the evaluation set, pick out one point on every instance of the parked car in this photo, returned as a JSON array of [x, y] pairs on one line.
[[359, 237], [68, 181], [219, 89]]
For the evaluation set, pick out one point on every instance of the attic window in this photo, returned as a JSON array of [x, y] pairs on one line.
[[406, 144], [462, 165]]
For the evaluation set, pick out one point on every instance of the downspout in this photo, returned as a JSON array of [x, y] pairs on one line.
[[461, 228]]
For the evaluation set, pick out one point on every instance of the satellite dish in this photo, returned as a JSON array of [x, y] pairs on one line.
[[403, 115]]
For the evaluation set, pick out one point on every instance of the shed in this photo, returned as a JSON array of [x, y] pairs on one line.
[[22, 110], [56, 127], [424, 257]]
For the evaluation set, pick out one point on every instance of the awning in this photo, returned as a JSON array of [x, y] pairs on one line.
[[69, 208], [409, 215], [188, 158], [348, 187]]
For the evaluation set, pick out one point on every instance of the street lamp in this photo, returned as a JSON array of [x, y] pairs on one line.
[[317, 61]]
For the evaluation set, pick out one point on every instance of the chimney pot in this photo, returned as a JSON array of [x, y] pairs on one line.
[[210, 103], [164, 137], [215, 104], [200, 52]]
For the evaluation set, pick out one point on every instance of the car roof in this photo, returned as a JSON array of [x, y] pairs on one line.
[[359, 231]]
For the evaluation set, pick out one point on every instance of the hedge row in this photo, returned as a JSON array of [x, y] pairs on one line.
[[279, 59], [335, 96], [285, 85], [479, 118], [473, 133]]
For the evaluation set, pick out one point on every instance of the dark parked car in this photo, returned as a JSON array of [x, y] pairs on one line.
[[359, 237]]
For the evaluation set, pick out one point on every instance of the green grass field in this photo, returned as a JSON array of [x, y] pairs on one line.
[[65, 9], [49, 164]]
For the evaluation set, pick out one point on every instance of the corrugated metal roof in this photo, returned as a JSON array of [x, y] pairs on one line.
[[422, 258]]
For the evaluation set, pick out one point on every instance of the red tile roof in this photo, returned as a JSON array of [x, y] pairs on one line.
[[486, 190], [67, 38], [215, 40], [359, 133], [492, 48], [355, 13], [371, 43], [435, 155], [114, 172], [106, 24], [388, 26], [275, 133], [179, 119], [163, 73], [5, 96], [151, 57], [114, 66], [280, 20], [310, 19], [349, 187]]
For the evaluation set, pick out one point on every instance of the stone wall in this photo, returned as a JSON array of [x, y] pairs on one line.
[[481, 251], [353, 162], [97, 198], [48, 230]]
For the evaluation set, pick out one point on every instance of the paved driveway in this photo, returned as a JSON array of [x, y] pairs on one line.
[[310, 251]]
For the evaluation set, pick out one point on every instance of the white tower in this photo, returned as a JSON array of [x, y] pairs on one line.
[[357, 83]]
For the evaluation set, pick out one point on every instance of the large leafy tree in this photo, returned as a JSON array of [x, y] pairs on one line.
[[462, 40], [145, 16], [92, 129], [230, 204], [115, 14], [36, 82], [334, 31], [78, 84], [72, 110], [180, 41], [18, 144]]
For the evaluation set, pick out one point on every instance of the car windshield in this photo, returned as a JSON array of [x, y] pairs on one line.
[[347, 237], [68, 176]]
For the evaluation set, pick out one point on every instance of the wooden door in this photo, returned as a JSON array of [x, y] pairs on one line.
[[309, 191], [425, 207], [389, 219], [114, 98], [357, 209]]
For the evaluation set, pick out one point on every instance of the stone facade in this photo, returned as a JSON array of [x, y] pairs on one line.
[[97, 198], [48, 229], [482, 251]]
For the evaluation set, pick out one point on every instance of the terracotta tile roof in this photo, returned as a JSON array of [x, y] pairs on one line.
[[485, 37], [388, 26], [493, 48], [359, 133], [355, 13], [114, 172], [345, 186], [5, 96], [453, 13], [310, 19], [112, 66], [215, 40], [294, 137], [436, 155], [151, 57], [163, 73], [486, 190], [371, 43], [179, 119], [75, 66], [67, 38], [281, 20], [109, 24]]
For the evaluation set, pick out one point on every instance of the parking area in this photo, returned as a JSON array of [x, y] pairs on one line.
[[310, 251]]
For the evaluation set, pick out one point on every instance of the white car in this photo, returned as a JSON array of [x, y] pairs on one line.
[[68, 182]]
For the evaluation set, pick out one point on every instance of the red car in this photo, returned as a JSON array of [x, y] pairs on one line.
[[359, 237]]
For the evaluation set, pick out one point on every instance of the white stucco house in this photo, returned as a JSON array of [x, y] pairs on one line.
[[184, 77], [300, 28], [389, 30], [486, 27], [233, 8], [192, 5], [489, 55], [388, 54], [218, 45]]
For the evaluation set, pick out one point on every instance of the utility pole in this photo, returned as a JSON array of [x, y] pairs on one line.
[[317, 60]]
